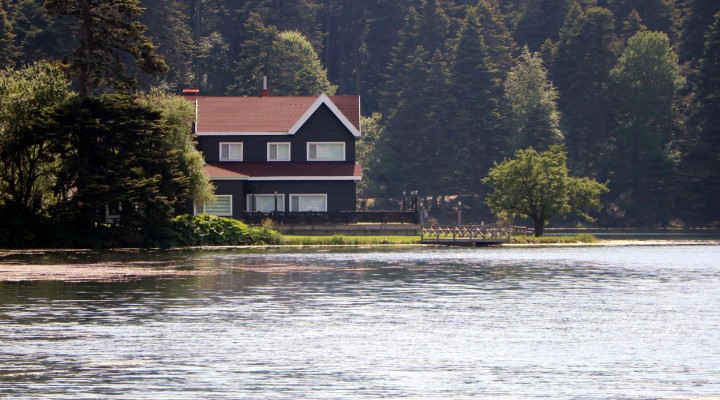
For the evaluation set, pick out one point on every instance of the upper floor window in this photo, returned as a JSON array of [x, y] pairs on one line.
[[231, 151], [326, 151], [278, 152]]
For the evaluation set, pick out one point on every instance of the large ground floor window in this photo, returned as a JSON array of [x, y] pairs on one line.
[[308, 202], [265, 202], [221, 207]]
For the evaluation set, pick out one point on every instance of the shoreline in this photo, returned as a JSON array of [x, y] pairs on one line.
[[117, 271]]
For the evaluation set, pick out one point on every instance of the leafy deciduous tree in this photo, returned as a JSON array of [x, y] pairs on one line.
[[537, 186], [27, 167]]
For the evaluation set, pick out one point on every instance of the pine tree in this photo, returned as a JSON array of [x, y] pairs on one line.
[[107, 31], [530, 106], [640, 161], [632, 25], [657, 15], [476, 90], [540, 20], [496, 35], [8, 52], [702, 162], [698, 17], [169, 28], [116, 153], [253, 57], [585, 55]]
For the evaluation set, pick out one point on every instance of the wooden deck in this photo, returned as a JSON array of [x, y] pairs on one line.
[[468, 235]]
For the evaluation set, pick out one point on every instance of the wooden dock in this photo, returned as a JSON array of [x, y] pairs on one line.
[[468, 235]]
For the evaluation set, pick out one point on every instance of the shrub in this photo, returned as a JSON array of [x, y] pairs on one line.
[[209, 230]]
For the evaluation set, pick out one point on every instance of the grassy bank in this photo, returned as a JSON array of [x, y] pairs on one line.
[[348, 240], [569, 239], [371, 240]]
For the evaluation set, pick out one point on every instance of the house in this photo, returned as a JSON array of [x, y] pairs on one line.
[[275, 153]]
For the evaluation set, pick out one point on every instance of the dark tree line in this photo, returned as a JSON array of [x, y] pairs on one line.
[[460, 84]]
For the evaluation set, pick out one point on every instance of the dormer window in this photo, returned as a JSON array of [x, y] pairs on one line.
[[231, 151], [278, 152], [326, 151]]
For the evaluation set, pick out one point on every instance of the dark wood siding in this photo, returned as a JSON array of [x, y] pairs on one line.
[[340, 194], [237, 190], [322, 126]]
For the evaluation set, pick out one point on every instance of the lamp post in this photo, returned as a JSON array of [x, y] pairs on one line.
[[276, 201], [403, 201], [459, 213], [414, 194]]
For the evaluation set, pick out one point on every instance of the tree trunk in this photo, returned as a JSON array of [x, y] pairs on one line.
[[539, 224]]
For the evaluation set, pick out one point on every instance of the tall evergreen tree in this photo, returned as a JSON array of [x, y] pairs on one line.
[[411, 150], [428, 27], [657, 15], [476, 90], [698, 15], [702, 160], [540, 20], [169, 28], [107, 31], [8, 53], [37, 38], [530, 106], [253, 57], [496, 35], [115, 153], [585, 55], [640, 161], [295, 69]]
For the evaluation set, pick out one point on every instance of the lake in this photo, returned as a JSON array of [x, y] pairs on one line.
[[589, 322]]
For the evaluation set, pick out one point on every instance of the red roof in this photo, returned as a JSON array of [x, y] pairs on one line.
[[284, 170], [271, 114]]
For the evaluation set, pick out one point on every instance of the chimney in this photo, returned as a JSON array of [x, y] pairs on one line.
[[265, 92], [191, 93]]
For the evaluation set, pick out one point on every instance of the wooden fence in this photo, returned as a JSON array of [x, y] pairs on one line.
[[471, 232]]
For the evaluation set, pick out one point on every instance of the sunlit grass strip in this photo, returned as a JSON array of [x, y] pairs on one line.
[[302, 240], [581, 238]]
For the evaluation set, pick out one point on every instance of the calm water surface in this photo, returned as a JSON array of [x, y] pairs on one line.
[[637, 322]]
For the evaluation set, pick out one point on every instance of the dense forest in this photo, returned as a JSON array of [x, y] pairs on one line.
[[630, 88]]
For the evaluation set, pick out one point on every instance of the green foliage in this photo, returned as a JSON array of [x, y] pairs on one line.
[[367, 154], [210, 230], [115, 153], [530, 105], [699, 169], [640, 160], [27, 167], [475, 120], [8, 50], [569, 239], [343, 240], [178, 115], [295, 69], [587, 51], [537, 186], [107, 31]]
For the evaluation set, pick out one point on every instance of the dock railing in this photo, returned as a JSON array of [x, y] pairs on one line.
[[471, 232]]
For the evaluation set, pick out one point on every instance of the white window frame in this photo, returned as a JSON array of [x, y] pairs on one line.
[[201, 208], [297, 195], [276, 144], [242, 150], [309, 144], [249, 201]]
